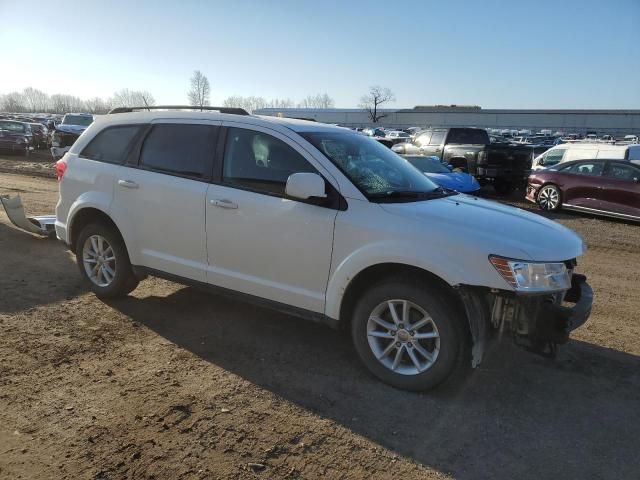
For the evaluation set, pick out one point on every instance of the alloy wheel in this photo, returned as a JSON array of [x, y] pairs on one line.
[[403, 337], [99, 260], [549, 198]]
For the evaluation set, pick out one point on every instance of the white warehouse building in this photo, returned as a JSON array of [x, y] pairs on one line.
[[616, 122]]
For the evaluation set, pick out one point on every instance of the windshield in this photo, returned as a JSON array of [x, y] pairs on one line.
[[12, 126], [428, 164], [373, 168], [82, 120]]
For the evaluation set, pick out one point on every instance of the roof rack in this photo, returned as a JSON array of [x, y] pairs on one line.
[[230, 110]]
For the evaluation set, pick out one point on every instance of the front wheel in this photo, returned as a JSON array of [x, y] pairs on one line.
[[104, 262], [549, 198], [407, 335]]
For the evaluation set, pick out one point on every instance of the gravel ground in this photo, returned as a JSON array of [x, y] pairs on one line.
[[172, 382]]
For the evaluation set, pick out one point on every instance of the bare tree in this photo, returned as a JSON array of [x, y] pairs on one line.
[[132, 98], [320, 100], [66, 103], [280, 103], [36, 100], [248, 103], [199, 92], [97, 105], [371, 101], [13, 102]]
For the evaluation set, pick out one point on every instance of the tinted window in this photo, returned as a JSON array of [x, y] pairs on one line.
[[423, 139], [587, 168], [437, 138], [12, 126], [622, 171], [82, 120], [111, 145], [179, 149], [260, 162], [468, 136]]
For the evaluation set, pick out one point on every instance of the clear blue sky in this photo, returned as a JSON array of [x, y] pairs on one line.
[[508, 54]]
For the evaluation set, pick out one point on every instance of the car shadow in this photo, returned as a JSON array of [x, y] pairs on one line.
[[518, 415], [34, 271]]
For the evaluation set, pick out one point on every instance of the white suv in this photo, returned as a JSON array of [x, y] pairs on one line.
[[322, 223]]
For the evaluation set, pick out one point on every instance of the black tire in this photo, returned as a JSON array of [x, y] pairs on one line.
[[503, 187], [450, 327], [549, 198], [124, 281]]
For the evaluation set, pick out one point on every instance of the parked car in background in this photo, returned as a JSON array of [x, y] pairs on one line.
[[15, 137], [66, 133], [504, 165], [631, 139], [598, 186], [322, 223], [433, 168], [583, 151], [397, 136], [41, 139]]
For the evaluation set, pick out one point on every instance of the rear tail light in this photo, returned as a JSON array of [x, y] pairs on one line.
[[61, 166]]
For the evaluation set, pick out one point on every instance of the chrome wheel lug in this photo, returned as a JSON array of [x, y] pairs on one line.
[[398, 344]]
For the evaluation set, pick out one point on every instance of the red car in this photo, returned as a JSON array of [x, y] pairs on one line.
[[603, 187]]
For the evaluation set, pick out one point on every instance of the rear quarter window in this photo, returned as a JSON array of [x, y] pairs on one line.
[[111, 144]]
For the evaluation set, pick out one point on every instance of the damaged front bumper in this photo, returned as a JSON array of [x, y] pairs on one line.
[[536, 322]]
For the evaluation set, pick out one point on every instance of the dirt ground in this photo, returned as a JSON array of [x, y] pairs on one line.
[[172, 382]]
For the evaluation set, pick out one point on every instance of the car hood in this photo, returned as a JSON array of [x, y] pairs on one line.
[[459, 181], [470, 223], [75, 129]]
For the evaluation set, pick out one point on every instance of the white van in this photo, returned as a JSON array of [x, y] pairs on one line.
[[584, 151]]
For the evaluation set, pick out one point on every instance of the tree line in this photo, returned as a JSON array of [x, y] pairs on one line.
[[32, 100]]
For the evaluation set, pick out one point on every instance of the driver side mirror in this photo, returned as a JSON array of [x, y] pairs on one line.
[[541, 161], [305, 186], [449, 166]]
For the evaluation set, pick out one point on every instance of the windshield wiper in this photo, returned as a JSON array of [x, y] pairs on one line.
[[438, 192]]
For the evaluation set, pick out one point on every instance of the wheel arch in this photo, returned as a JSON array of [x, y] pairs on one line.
[[84, 217], [377, 272]]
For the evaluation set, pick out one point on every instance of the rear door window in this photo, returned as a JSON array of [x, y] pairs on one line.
[[111, 144], [621, 171], [437, 138], [423, 139], [468, 136], [179, 149]]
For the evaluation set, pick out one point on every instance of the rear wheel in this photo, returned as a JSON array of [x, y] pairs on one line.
[[104, 262], [549, 198], [407, 335]]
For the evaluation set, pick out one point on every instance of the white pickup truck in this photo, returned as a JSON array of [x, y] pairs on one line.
[[319, 222]]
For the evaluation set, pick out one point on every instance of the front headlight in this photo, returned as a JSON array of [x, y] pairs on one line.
[[533, 277]]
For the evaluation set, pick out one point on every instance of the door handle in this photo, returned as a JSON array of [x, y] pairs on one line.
[[223, 203], [128, 183]]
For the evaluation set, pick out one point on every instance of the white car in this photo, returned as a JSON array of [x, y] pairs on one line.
[[319, 222], [565, 152]]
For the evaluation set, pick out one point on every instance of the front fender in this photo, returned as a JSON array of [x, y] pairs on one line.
[[444, 265]]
